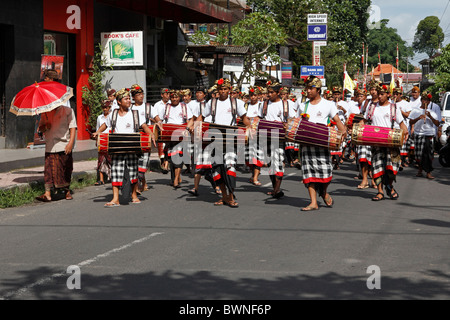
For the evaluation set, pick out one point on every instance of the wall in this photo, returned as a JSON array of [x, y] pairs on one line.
[[24, 47]]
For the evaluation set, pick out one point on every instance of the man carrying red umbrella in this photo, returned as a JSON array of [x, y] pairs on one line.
[[59, 127]]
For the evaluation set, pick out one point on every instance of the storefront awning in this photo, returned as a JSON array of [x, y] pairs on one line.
[[182, 11]]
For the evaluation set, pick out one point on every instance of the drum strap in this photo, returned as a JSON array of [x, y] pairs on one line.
[[363, 109], [148, 108], [393, 114], [115, 114]]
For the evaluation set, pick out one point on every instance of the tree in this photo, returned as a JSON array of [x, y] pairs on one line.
[[441, 66], [347, 30], [384, 41], [94, 94], [262, 34], [429, 36]]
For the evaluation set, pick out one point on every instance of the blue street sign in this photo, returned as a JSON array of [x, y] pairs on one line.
[[318, 71], [317, 32]]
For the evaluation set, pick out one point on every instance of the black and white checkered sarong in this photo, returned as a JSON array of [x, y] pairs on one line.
[[419, 142], [385, 159], [364, 154], [118, 164], [317, 166]]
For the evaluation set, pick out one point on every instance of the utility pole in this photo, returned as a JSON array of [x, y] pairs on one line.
[[230, 40]]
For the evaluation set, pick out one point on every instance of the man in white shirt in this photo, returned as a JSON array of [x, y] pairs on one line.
[[124, 121], [386, 161], [276, 110], [224, 111], [157, 109], [405, 109], [255, 154], [144, 110], [176, 112], [104, 160], [425, 122], [317, 169]]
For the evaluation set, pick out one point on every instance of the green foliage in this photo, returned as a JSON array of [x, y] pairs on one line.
[[384, 41], [441, 67], [262, 34], [429, 36], [347, 30], [95, 93], [200, 38], [17, 197]]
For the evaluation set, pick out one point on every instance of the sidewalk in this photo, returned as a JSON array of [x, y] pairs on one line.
[[22, 167]]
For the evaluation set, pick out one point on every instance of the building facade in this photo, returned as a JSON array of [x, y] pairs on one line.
[[71, 29]]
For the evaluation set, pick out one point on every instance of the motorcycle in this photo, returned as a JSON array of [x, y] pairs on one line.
[[444, 152]]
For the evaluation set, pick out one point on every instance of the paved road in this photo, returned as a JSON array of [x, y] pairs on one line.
[[174, 246]]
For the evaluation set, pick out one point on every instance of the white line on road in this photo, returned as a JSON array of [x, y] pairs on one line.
[[81, 264]]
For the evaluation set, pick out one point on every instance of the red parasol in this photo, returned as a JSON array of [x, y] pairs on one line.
[[40, 97]]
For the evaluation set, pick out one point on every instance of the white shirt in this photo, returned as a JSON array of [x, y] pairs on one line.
[[176, 114], [124, 124], [415, 103], [423, 128], [100, 121], [275, 111], [319, 113], [159, 109], [382, 116], [253, 110], [405, 107], [353, 107], [224, 113], [194, 105]]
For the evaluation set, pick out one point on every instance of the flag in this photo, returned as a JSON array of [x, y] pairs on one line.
[[396, 61], [348, 82], [379, 62]]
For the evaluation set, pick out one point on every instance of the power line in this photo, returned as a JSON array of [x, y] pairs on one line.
[[444, 11]]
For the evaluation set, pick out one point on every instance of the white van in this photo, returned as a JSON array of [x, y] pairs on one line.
[[445, 107]]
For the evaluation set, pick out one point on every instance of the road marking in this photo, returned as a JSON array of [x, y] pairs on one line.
[[81, 264]]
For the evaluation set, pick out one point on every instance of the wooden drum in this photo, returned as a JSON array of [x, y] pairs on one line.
[[114, 143], [208, 133], [267, 128], [168, 132], [377, 136], [315, 134]]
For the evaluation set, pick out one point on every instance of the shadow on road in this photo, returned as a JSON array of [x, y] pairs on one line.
[[204, 285]]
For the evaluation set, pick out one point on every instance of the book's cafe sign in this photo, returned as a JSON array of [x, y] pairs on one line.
[[123, 48]]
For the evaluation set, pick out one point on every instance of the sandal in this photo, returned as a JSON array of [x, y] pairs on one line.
[[233, 204], [394, 194], [363, 186], [310, 208], [99, 183], [328, 201], [218, 191], [419, 174], [220, 203], [376, 198], [111, 205], [69, 196], [43, 198]]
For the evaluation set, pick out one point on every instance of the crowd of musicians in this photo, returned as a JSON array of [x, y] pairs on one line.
[[377, 165]]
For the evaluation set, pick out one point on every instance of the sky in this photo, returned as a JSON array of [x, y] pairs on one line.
[[405, 15]]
